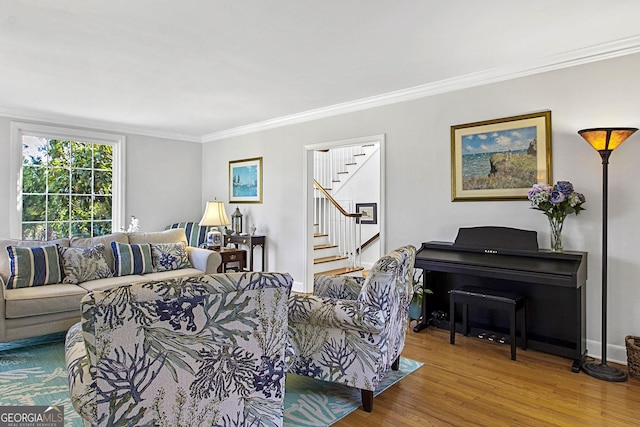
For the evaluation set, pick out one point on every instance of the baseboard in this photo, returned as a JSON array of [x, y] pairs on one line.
[[615, 353]]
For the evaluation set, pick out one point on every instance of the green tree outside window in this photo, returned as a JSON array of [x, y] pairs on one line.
[[67, 188]]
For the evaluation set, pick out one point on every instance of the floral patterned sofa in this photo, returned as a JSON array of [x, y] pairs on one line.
[[203, 350], [352, 329]]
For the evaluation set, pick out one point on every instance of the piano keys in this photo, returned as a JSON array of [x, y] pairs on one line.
[[508, 259]]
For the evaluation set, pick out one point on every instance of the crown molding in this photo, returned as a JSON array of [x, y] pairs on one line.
[[573, 58], [76, 122]]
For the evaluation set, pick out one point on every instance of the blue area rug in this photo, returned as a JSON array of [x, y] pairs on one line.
[[32, 372], [309, 402]]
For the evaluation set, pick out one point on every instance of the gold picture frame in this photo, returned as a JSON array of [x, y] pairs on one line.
[[245, 181], [500, 159]]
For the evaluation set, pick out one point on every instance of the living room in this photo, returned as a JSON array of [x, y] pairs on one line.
[[170, 178]]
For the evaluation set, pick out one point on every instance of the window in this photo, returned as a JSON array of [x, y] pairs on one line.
[[67, 182]]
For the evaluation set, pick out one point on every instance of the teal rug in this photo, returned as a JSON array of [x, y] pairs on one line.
[[32, 372]]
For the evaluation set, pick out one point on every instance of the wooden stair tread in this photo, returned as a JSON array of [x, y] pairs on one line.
[[325, 246], [338, 271], [329, 259], [320, 235]]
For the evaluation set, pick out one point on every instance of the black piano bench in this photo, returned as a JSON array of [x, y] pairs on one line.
[[489, 298]]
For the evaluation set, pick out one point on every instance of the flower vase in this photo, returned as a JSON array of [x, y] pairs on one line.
[[556, 233]]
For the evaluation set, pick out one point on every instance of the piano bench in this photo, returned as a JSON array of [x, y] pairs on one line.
[[490, 298]]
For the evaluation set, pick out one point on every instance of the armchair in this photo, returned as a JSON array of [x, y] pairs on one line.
[[206, 350], [352, 329]]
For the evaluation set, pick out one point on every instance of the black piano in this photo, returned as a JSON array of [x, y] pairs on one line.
[[508, 259]]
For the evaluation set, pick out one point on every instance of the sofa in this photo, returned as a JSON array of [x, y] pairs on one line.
[[50, 279], [203, 350]]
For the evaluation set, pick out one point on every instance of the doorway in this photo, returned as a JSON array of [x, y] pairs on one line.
[[308, 197]]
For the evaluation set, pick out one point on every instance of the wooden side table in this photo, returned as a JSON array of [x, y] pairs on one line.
[[251, 242], [232, 256]]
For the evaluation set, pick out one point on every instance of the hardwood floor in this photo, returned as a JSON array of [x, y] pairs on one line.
[[475, 382]]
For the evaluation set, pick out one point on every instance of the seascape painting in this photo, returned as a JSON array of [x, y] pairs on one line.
[[502, 158], [245, 181]]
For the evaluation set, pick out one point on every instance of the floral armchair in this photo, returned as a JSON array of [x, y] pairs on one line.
[[206, 350], [352, 330]]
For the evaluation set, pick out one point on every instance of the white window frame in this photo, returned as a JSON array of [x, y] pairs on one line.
[[18, 129]]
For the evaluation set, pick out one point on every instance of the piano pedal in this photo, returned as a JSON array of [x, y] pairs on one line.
[[492, 338], [502, 340], [482, 336]]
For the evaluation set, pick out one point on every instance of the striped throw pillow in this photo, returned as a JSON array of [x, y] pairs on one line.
[[33, 266], [195, 233], [131, 259]]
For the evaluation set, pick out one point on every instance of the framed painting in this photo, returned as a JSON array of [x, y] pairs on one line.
[[369, 213], [245, 181], [500, 159]]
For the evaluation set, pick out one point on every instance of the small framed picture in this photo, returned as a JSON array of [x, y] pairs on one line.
[[245, 181], [500, 159], [369, 213]]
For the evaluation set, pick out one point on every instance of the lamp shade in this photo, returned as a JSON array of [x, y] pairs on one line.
[[214, 214], [606, 139]]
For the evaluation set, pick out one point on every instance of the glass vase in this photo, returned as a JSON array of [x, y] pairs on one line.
[[556, 233]]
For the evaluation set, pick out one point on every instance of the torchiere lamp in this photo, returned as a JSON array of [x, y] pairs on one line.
[[214, 216], [604, 141]]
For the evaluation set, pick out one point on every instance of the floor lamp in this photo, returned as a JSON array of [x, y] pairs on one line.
[[604, 141]]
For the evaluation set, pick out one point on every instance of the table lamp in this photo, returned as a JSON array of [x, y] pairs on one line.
[[214, 216]]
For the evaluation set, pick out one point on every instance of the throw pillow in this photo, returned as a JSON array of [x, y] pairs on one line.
[[170, 256], [131, 259], [33, 266], [83, 264]]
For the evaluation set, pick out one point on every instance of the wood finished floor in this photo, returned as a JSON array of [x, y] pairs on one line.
[[475, 383]]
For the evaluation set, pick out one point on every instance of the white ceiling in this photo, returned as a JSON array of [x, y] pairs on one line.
[[203, 69]]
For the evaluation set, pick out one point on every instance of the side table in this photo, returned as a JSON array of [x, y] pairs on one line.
[[251, 242], [231, 256]]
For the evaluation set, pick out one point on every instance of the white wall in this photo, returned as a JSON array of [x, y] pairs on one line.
[[363, 186], [418, 175], [163, 181]]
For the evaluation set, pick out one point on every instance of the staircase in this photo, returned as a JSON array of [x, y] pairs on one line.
[[327, 259], [333, 168], [337, 235]]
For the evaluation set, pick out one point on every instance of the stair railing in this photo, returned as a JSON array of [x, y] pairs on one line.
[[368, 242], [342, 227]]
